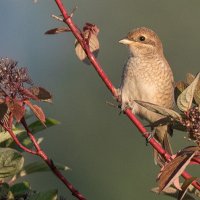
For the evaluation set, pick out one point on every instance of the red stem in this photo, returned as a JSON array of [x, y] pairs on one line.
[[108, 83], [14, 137], [51, 165]]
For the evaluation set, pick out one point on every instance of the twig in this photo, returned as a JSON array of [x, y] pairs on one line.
[[78, 35]]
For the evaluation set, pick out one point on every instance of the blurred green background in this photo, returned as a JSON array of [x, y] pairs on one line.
[[107, 155]]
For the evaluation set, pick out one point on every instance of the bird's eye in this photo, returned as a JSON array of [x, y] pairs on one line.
[[142, 38]]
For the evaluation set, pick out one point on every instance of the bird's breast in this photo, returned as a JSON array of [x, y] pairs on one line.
[[147, 80]]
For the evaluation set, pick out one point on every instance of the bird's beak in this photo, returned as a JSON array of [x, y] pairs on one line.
[[126, 41]]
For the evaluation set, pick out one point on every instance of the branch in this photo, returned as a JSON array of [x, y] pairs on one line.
[[14, 137], [78, 35], [50, 163]]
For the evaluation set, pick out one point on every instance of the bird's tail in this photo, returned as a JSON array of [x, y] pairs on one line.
[[162, 134]]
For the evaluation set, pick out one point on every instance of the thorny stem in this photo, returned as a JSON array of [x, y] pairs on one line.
[[78, 35]]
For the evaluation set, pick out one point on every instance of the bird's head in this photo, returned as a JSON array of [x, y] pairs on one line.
[[143, 42]]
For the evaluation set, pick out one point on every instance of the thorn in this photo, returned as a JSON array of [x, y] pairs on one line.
[[115, 106], [57, 18], [73, 11], [112, 104]]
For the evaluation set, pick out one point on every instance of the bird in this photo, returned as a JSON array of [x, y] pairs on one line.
[[148, 77]]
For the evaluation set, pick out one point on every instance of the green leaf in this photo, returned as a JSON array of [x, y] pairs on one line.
[[184, 101], [6, 136], [35, 167], [35, 127], [160, 110], [20, 189], [49, 195], [11, 162]]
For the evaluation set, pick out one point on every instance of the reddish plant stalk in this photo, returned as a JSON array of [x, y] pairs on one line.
[[50, 163], [78, 35]]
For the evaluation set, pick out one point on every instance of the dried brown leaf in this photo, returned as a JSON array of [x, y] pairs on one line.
[[160, 122], [57, 30], [29, 94], [3, 110], [37, 111], [174, 169], [171, 191], [189, 78], [160, 110], [185, 187], [94, 48], [184, 101], [90, 32], [195, 149], [179, 88]]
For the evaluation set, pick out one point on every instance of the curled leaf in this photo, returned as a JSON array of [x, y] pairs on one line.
[[179, 87], [189, 79], [184, 101], [90, 32], [160, 110]]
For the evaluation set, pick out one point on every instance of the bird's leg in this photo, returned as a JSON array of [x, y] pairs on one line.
[[150, 135], [118, 95]]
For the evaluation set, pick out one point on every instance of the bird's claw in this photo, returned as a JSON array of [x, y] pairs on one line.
[[118, 94], [149, 135]]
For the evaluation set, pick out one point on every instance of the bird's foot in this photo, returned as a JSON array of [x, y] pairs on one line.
[[118, 94], [149, 135]]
